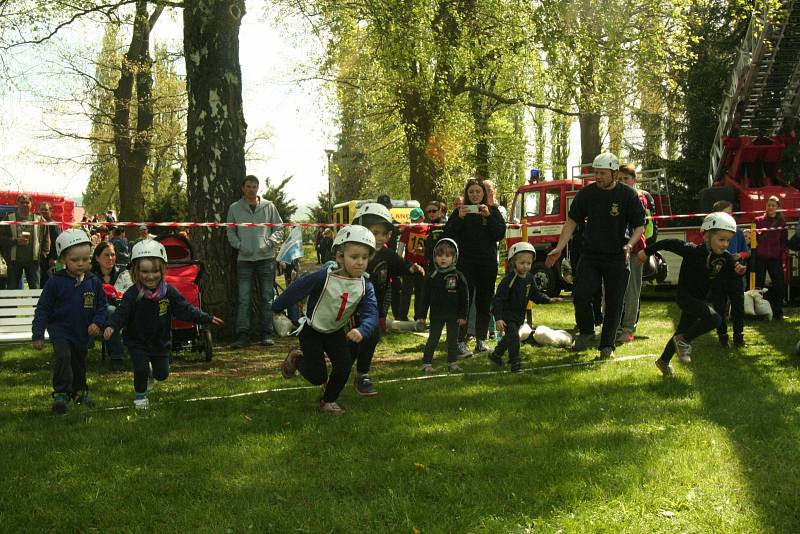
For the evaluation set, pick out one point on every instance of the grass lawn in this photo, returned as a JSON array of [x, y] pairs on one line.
[[605, 448]]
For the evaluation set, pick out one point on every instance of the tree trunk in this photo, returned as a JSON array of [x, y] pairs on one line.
[[590, 136], [215, 139], [418, 125], [133, 148], [480, 121]]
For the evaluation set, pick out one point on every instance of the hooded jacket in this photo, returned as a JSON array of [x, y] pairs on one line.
[[67, 307]]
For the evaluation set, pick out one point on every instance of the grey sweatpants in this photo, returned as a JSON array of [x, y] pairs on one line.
[[630, 313]]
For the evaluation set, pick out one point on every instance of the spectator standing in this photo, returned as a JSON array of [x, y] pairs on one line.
[[326, 246], [257, 246], [47, 261], [121, 246], [477, 227], [412, 249], [610, 209], [23, 244], [772, 246]]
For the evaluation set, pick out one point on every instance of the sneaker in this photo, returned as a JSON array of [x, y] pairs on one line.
[[480, 347], [582, 342], [330, 407], [624, 336], [516, 367], [723, 341], [665, 368], [60, 403], [496, 359], [267, 341], [683, 348], [738, 341], [289, 367], [363, 385], [454, 367], [242, 341], [141, 403], [463, 350], [606, 353], [427, 368], [84, 400]]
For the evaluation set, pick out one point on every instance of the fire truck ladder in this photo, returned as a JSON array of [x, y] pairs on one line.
[[764, 93]]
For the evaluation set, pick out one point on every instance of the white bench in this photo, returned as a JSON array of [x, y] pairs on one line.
[[16, 314]]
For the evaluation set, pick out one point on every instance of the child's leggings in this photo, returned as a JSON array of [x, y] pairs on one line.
[[69, 368], [510, 341], [315, 345], [697, 318], [435, 333], [141, 368]]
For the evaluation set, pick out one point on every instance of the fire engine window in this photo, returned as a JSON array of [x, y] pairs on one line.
[[552, 202], [516, 215], [532, 204]]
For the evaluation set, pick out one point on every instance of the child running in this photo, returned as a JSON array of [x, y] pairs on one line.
[[447, 295], [145, 314], [72, 308], [731, 290], [334, 295], [511, 300], [382, 266], [702, 265]]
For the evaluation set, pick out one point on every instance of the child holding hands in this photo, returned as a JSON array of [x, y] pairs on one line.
[[146, 313], [72, 308], [511, 300]]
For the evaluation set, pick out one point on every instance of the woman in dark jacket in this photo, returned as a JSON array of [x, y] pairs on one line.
[[477, 227]]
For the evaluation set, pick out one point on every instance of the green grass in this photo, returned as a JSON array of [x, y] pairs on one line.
[[603, 448]]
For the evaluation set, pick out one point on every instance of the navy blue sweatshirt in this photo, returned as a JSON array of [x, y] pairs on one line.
[[147, 323], [66, 308], [447, 296], [512, 296], [311, 286], [385, 264], [700, 267]]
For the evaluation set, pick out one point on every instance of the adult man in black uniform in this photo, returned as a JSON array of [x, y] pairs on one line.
[[610, 209]]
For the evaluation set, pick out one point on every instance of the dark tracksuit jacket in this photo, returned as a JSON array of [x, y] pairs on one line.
[[447, 296], [509, 305]]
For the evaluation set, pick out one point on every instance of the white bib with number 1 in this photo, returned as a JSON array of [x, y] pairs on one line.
[[337, 303]]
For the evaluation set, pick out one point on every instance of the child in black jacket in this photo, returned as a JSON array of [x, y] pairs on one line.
[[447, 296], [511, 300], [146, 313], [383, 266], [702, 265]]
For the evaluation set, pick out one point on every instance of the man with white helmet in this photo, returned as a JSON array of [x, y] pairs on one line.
[[613, 221], [257, 246], [702, 265], [334, 296], [72, 308], [516, 289]]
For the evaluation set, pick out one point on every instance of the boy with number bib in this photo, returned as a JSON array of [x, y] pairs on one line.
[[72, 308], [702, 266], [334, 295], [383, 266], [146, 313], [511, 300]]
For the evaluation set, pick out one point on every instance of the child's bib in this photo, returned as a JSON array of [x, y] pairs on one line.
[[337, 303]]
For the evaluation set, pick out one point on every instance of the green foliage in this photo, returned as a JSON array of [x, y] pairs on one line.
[[171, 206], [321, 213], [277, 195]]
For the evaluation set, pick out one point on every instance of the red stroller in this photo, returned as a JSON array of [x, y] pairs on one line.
[[185, 273]]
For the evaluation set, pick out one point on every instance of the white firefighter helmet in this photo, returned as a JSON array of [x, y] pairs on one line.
[[522, 246], [719, 220], [70, 238], [372, 213], [606, 160], [450, 242], [354, 234], [149, 248]]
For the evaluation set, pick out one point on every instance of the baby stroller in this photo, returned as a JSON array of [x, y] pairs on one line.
[[185, 273]]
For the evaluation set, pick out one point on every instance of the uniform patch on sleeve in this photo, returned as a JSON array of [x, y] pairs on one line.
[[163, 307]]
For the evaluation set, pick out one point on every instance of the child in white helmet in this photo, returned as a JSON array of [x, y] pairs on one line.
[[334, 295], [145, 314], [702, 265], [447, 295], [516, 289], [72, 308]]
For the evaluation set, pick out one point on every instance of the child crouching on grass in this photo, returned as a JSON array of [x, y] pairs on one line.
[[145, 313], [447, 295], [703, 264], [72, 308], [334, 295], [511, 300]]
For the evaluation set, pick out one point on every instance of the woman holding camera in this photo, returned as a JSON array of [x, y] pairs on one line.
[[477, 226]]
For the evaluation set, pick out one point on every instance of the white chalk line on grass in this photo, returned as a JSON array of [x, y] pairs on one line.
[[411, 378]]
